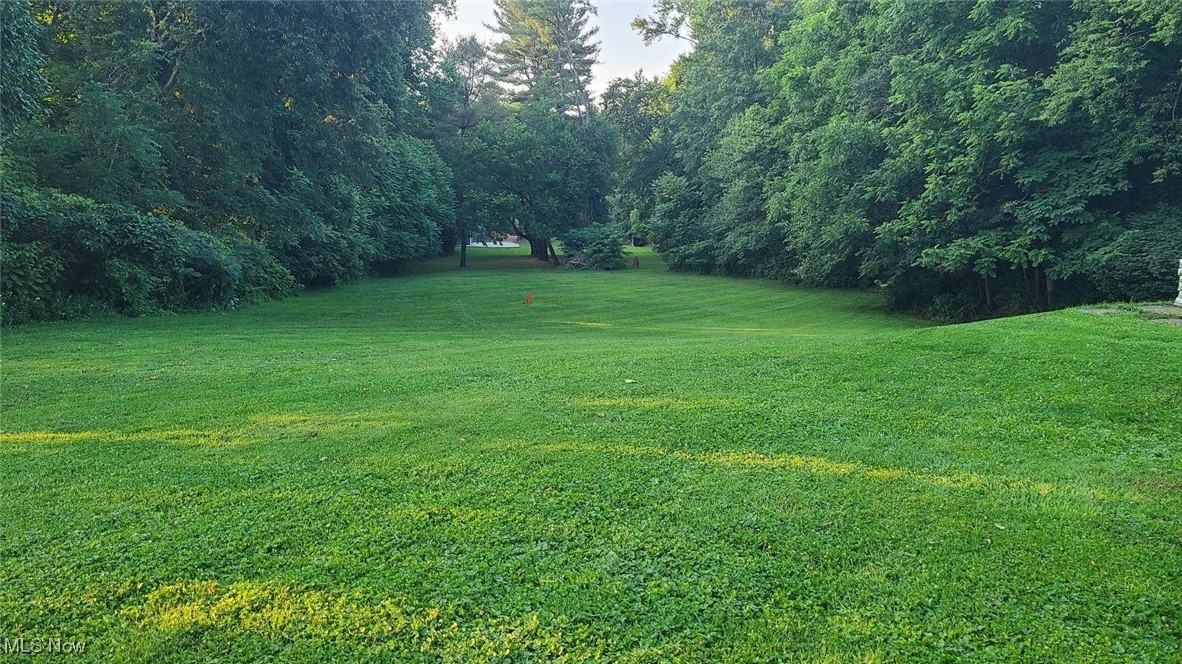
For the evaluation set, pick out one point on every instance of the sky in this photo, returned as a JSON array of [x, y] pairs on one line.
[[621, 52]]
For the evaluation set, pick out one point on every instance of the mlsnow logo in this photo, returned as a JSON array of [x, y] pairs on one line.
[[50, 646]]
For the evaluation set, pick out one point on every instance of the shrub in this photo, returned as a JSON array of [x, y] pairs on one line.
[[65, 256], [27, 284], [260, 275], [602, 245], [696, 256]]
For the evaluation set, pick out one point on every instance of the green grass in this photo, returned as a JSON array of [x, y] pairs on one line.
[[425, 467]]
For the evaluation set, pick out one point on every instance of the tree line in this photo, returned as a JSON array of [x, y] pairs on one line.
[[968, 158], [178, 154]]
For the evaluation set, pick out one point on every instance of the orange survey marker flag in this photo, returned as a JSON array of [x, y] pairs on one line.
[[529, 297]]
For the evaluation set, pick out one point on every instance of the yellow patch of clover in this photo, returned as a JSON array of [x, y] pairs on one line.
[[275, 610], [652, 403], [180, 436], [821, 466]]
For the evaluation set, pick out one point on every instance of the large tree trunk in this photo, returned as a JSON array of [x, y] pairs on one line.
[[538, 249]]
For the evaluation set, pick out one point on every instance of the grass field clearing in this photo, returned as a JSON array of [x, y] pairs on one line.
[[424, 466]]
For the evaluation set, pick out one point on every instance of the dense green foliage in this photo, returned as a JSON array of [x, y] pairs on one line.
[[601, 246], [635, 107], [67, 255], [532, 172], [968, 159], [384, 471], [229, 151], [971, 158], [538, 164], [21, 81], [186, 152]]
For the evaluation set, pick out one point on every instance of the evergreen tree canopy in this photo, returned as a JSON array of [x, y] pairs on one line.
[[546, 51]]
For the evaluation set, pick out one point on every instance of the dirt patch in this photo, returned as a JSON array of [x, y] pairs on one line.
[[1176, 322], [1162, 309], [1101, 312]]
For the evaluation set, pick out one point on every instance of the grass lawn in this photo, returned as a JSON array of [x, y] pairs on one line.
[[425, 467]]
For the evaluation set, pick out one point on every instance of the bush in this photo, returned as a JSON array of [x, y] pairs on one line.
[[65, 256], [260, 275], [27, 284], [602, 245], [696, 256]]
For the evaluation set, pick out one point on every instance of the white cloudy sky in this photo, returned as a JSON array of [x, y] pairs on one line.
[[621, 52]]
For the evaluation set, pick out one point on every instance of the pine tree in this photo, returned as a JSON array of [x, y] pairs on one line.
[[547, 52]]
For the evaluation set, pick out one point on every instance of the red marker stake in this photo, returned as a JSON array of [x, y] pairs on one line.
[[529, 297]]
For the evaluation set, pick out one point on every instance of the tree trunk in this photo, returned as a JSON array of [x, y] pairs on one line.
[[462, 227], [553, 253], [538, 249]]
